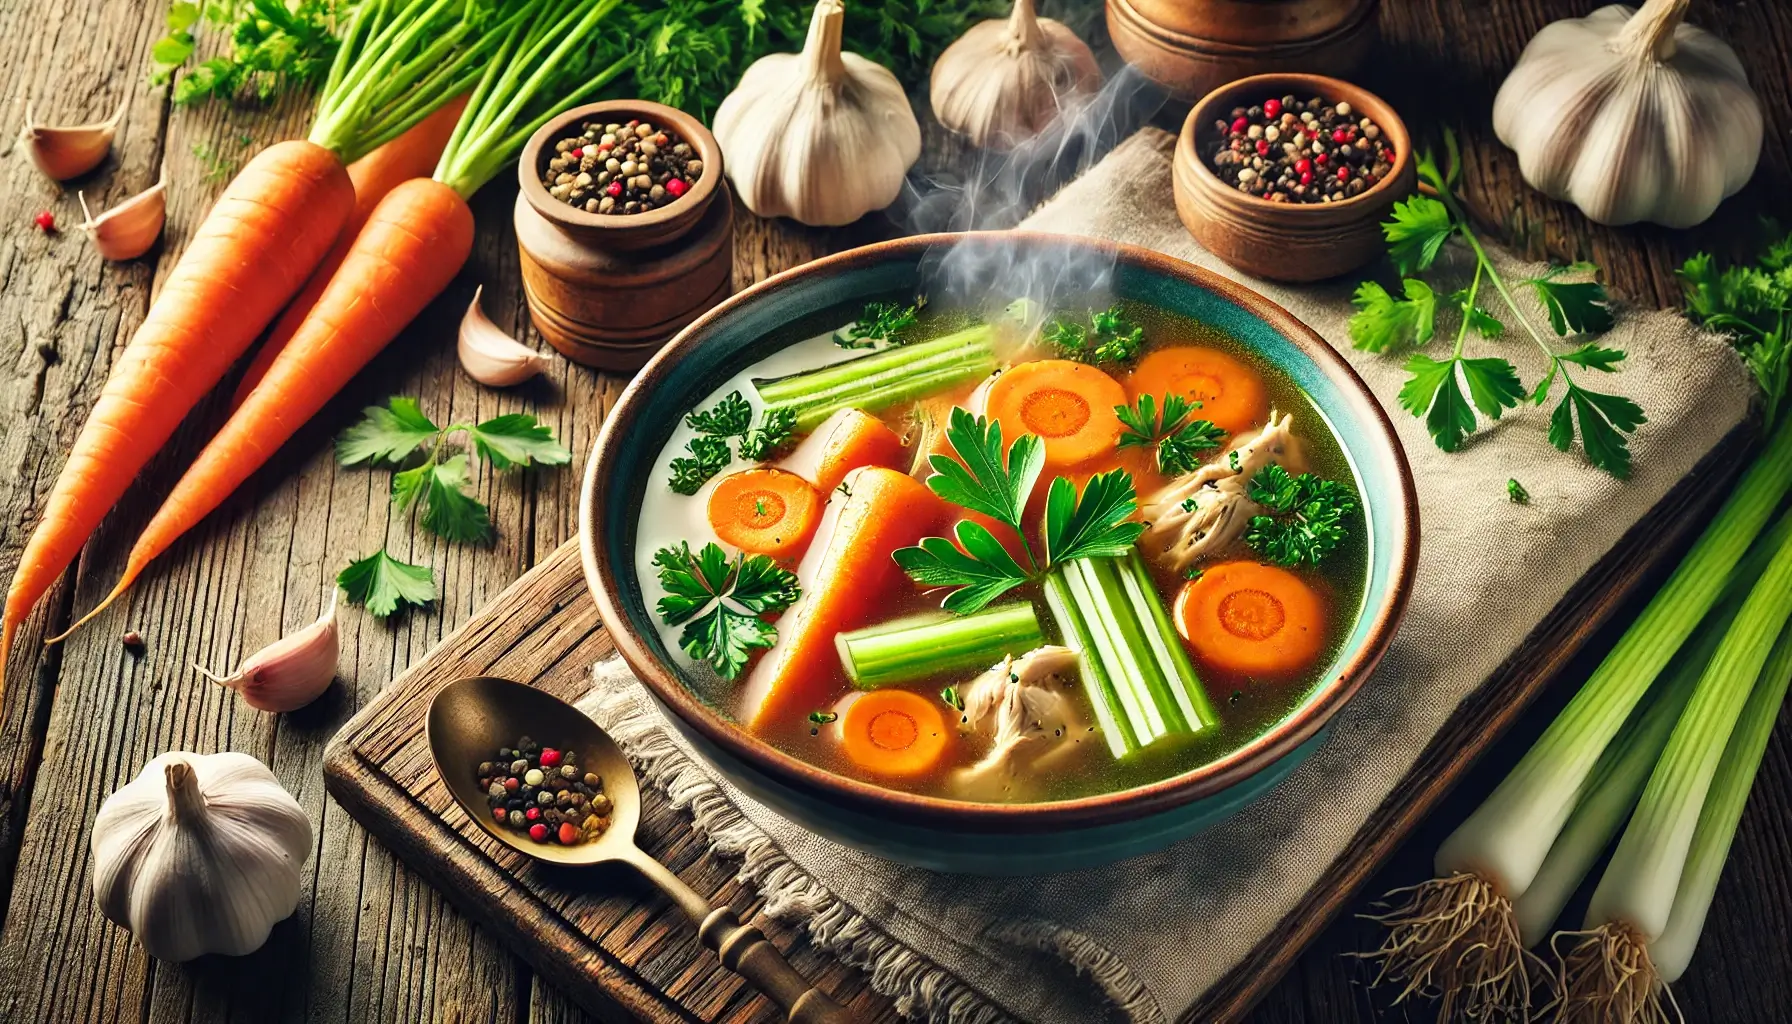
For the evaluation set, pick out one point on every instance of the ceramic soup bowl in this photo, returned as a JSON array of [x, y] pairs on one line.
[[942, 834]]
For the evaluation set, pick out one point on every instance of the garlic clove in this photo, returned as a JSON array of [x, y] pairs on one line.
[[291, 672], [127, 230], [492, 357], [1005, 81], [68, 151]]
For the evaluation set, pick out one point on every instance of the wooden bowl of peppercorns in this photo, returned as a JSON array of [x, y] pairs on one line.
[[1288, 177]]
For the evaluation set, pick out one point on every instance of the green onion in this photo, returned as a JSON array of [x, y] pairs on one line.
[[1139, 678], [882, 379], [936, 643]]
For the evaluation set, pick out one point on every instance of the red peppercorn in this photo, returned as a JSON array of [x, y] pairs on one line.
[[1272, 109], [45, 220], [1240, 125], [1262, 147], [676, 187], [538, 832], [533, 814], [1306, 177], [1303, 165], [549, 757], [635, 122], [614, 188], [1343, 174], [569, 833], [1368, 179], [512, 783], [1320, 160], [1340, 135]]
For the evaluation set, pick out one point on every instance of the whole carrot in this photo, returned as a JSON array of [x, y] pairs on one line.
[[411, 155]]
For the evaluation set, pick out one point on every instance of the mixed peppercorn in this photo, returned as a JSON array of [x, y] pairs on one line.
[[544, 792], [621, 168], [1300, 151]]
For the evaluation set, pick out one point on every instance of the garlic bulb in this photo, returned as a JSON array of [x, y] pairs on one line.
[[127, 230], [292, 671], [68, 151], [199, 854], [822, 137], [1003, 82], [492, 357], [1631, 116]]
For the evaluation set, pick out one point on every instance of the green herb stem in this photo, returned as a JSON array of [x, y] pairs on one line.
[[882, 379], [931, 645]]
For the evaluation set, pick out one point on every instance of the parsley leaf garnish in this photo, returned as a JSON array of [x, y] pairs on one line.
[[1434, 393], [817, 719], [381, 583], [710, 450], [719, 602], [729, 417], [1753, 306], [979, 569], [1179, 441], [770, 437], [880, 322], [516, 439], [1574, 307], [951, 698], [1515, 492], [1304, 520], [1416, 233], [274, 45], [386, 433], [1109, 337], [1382, 321]]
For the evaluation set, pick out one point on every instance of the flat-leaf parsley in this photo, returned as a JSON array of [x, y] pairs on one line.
[[719, 602]]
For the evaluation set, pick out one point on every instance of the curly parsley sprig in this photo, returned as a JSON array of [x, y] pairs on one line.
[[1304, 516], [1434, 390], [1753, 305], [718, 429], [885, 322], [1108, 337], [720, 603]]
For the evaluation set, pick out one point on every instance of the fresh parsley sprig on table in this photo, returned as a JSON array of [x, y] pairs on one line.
[[273, 46], [1434, 390], [1108, 337], [1178, 439], [1304, 516], [720, 602], [440, 486], [883, 322], [1753, 305], [711, 451], [997, 480]]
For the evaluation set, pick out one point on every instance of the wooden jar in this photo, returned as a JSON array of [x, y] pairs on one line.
[[1287, 241], [608, 290], [1191, 47]]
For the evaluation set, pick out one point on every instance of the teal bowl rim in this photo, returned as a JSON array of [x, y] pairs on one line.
[[1376, 623]]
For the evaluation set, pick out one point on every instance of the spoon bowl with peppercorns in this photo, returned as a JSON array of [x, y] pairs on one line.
[[487, 732]]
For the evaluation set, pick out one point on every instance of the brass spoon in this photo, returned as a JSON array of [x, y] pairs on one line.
[[471, 718]]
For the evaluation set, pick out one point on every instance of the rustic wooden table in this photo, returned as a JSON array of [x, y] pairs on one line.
[[370, 940]]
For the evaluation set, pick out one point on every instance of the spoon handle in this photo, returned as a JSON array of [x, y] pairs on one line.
[[746, 951]]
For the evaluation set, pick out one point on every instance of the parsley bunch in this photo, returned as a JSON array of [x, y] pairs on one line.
[[880, 322], [710, 450], [274, 46], [1434, 390], [1178, 439], [391, 434], [1304, 516], [1753, 305], [1109, 337], [719, 602], [978, 569]]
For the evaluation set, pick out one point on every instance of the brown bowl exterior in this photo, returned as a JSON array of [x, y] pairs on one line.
[[1287, 241], [642, 230], [1191, 46], [623, 427]]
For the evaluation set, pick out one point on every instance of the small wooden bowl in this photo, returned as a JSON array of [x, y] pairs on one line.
[[1287, 241], [608, 290], [1193, 46]]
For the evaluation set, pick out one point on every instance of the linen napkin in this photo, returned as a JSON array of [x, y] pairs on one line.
[[1141, 940]]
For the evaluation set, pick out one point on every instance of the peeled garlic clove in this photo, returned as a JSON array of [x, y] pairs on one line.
[[291, 672], [1003, 82], [127, 230], [64, 152], [492, 357]]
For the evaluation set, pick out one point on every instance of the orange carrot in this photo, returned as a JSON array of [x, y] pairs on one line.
[[412, 246], [765, 511], [894, 733], [1230, 392], [849, 581], [411, 155], [1070, 406], [249, 256], [1252, 619], [845, 441]]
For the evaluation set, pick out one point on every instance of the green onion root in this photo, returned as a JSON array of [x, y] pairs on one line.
[[1454, 940], [1606, 977]]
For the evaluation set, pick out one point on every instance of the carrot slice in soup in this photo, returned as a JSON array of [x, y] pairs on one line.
[[894, 733], [765, 511], [1252, 619], [1070, 406], [849, 581], [847, 440], [1231, 394]]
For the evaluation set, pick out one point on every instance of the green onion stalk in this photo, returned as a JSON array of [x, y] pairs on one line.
[[1456, 936]]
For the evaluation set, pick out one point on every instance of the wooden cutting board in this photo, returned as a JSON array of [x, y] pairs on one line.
[[622, 950]]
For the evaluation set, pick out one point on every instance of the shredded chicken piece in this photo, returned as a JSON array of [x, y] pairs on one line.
[[1204, 512], [1022, 705]]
